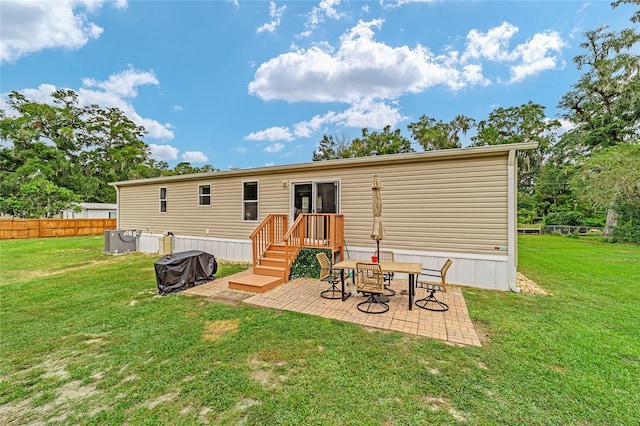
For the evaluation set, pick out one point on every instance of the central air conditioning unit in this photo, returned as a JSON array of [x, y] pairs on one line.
[[121, 241]]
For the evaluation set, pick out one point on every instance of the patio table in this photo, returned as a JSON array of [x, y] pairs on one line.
[[411, 268]]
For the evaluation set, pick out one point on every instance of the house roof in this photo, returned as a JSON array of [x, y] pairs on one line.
[[478, 151]]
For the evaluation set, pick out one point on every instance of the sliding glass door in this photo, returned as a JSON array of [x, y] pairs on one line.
[[315, 197]]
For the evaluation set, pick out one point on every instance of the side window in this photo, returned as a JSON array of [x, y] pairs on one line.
[[163, 199], [204, 195], [250, 200]]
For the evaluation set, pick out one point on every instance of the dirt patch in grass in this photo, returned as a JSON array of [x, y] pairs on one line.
[[41, 274], [161, 400], [55, 369], [245, 403], [23, 411], [214, 330], [443, 404], [264, 372]]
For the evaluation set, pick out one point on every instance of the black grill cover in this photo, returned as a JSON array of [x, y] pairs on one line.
[[180, 271]]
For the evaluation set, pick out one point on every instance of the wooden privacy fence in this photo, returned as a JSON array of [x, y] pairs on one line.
[[40, 228]]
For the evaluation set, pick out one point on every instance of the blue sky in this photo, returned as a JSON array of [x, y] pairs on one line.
[[255, 83]]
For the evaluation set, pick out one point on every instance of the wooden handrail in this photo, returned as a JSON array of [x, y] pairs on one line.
[[271, 230], [321, 230]]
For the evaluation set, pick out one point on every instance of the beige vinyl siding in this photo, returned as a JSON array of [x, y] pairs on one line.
[[438, 203], [442, 206]]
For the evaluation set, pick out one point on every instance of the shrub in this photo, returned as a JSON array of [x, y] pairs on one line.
[[594, 221], [628, 224], [571, 218], [306, 264]]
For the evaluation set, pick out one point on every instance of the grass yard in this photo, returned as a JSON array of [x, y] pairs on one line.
[[85, 339]]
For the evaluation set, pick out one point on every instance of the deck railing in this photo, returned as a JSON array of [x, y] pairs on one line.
[[271, 230], [309, 230], [317, 230]]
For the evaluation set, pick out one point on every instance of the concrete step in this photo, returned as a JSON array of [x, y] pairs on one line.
[[255, 283]]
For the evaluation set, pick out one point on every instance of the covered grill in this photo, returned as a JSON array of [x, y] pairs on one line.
[[179, 271]]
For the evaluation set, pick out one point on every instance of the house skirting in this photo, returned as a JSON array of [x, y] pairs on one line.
[[472, 270], [221, 248]]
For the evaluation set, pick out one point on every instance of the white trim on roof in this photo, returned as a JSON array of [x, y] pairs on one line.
[[475, 151]]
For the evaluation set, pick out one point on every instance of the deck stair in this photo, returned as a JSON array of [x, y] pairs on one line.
[[269, 273], [275, 246]]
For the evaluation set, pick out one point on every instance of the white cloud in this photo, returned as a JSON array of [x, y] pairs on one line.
[[275, 13], [565, 126], [112, 93], [537, 55], [31, 26], [473, 74], [364, 113], [125, 83], [194, 157], [360, 68], [398, 3], [163, 152], [326, 9], [370, 114], [276, 147], [271, 134], [176, 108], [492, 45], [241, 149], [369, 75]]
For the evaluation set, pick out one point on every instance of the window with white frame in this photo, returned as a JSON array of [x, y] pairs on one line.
[[163, 199], [204, 195], [250, 200]]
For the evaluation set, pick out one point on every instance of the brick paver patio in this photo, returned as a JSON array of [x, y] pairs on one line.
[[303, 295]]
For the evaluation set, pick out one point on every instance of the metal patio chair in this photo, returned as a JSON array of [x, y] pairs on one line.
[[330, 275], [387, 256], [370, 281], [433, 280]]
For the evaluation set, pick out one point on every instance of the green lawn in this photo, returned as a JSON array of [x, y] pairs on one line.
[[86, 340]]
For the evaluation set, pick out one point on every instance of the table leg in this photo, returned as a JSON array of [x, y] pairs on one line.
[[344, 296], [412, 279]]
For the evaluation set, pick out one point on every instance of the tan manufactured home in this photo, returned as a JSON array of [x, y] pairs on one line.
[[458, 203]]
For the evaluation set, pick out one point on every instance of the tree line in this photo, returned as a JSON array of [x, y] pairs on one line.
[[53, 156]]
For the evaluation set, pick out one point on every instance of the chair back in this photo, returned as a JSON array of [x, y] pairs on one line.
[[385, 256], [325, 265], [369, 278], [443, 273]]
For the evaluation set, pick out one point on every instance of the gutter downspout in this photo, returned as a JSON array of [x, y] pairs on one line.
[[512, 217]]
